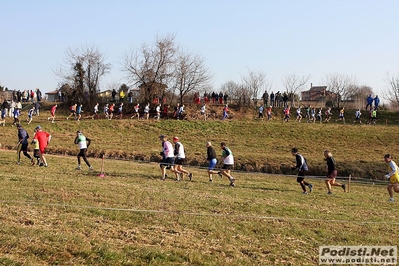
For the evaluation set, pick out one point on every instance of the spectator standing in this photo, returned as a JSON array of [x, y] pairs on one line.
[[37, 108], [225, 97], [369, 102], [376, 102], [272, 99], [121, 96], [38, 95], [113, 94], [12, 108]]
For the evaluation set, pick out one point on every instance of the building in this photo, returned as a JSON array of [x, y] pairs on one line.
[[317, 93], [52, 96]]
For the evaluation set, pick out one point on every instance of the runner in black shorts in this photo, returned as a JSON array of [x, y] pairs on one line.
[[302, 167], [180, 159]]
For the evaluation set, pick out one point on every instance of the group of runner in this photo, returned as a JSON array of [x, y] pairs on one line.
[[174, 157], [313, 115]]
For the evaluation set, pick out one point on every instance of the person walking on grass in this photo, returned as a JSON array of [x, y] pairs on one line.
[[23, 137], [44, 139], [180, 159], [52, 113], [168, 157], [211, 158], [331, 172], [83, 142], [302, 167], [392, 175], [228, 164]]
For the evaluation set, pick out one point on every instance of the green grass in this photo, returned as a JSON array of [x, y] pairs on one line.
[[57, 215], [258, 146]]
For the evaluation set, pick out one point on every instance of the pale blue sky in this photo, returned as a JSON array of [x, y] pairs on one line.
[[352, 37]]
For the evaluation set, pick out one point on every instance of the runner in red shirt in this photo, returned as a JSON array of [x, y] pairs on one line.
[[44, 139], [52, 112]]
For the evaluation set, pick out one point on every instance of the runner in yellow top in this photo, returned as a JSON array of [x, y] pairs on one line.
[[393, 176]]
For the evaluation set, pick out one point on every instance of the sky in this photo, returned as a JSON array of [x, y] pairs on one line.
[[357, 38]]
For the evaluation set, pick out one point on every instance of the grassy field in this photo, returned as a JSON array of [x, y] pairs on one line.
[[60, 216]]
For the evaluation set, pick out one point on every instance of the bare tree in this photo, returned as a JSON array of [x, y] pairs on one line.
[[342, 86], [239, 92], [293, 84], [392, 93], [190, 74], [151, 67], [82, 71], [255, 82]]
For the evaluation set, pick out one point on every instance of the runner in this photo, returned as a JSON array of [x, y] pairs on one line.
[[44, 139], [180, 159], [52, 113], [23, 137], [302, 167], [83, 143]]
